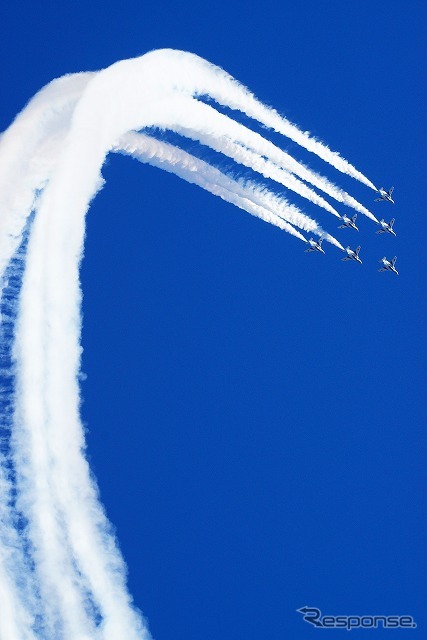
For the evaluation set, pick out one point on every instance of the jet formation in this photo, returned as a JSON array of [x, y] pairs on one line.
[[350, 223]]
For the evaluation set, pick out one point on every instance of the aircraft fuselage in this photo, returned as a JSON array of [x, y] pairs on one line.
[[385, 195], [388, 266]]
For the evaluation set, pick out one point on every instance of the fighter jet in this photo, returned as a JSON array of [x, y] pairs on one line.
[[385, 195], [387, 227], [352, 255], [315, 246], [349, 222], [388, 265]]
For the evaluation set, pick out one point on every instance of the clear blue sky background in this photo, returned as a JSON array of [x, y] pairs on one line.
[[256, 415]]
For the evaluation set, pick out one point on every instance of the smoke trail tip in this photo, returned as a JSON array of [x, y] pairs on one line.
[[333, 241]]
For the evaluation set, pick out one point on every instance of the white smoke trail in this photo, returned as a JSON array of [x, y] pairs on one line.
[[166, 156], [199, 121], [255, 160], [63, 613], [19, 604], [186, 73], [228, 92], [58, 145], [16, 619], [27, 153], [76, 558]]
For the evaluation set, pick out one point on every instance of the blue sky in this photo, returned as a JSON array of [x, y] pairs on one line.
[[255, 414]]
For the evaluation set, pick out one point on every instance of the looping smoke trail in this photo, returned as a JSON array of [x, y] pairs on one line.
[[61, 572]]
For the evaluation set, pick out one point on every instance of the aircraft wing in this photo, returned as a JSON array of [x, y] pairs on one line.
[[393, 261], [357, 250], [391, 190], [378, 199], [391, 223]]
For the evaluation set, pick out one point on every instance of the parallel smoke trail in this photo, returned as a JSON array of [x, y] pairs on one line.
[[202, 121], [34, 460], [228, 92], [187, 74], [166, 156], [75, 555], [19, 609], [255, 160], [62, 575], [27, 152], [173, 160], [16, 618]]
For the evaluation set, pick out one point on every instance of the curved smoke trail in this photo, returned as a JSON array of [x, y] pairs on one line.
[[230, 93], [61, 573], [168, 157]]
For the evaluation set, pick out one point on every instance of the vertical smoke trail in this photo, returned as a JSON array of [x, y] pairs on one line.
[[27, 153], [64, 498], [34, 449], [18, 593]]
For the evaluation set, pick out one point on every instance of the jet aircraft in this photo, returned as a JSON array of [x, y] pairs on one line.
[[352, 255], [388, 265], [349, 222], [385, 195], [387, 227], [315, 246]]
